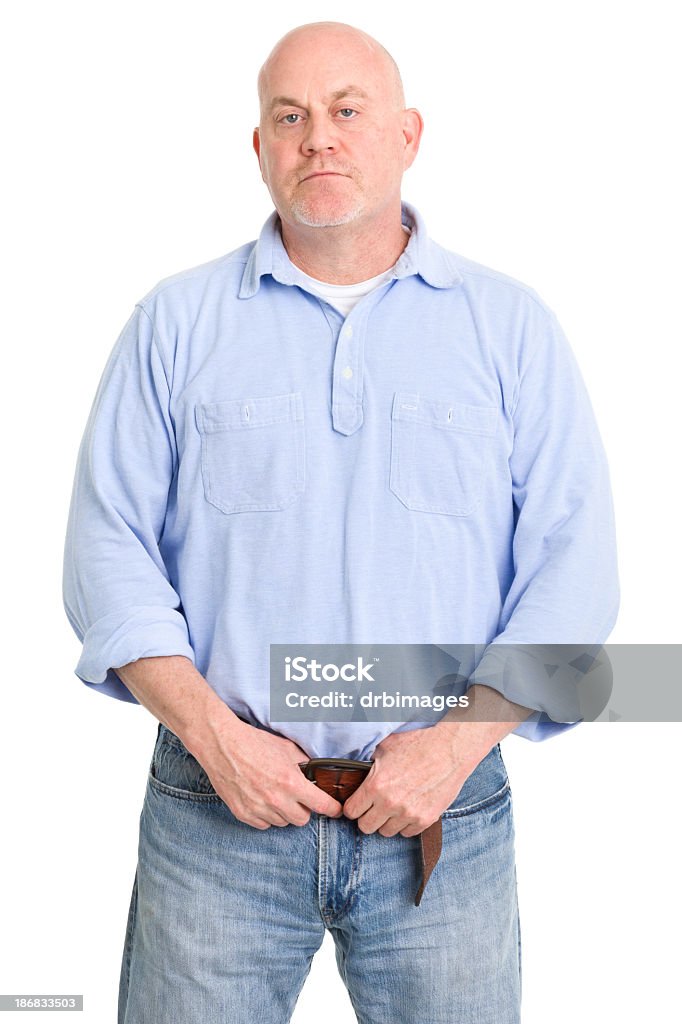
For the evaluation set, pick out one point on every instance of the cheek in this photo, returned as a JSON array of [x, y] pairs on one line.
[[281, 160], [386, 162], [383, 151]]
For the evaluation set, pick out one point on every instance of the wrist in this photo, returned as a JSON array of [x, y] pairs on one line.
[[213, 718]]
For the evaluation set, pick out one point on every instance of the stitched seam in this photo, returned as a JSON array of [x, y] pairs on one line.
[[157, 346], [220, 426], [210, 423], [517, 286], [461, 812], [130, 935], [191, 275], [354, 875], [322, 869], [455, 428], [417, 506], [298, 446], [182, 794]]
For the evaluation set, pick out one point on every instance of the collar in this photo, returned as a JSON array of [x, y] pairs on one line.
[[421, 256]]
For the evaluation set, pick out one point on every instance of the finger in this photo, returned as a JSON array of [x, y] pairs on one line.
[[393, 826], [268, 818], [297, 815], [279, 819], [411, 830], [317, 800], [359, 803], [415, 828], [372, 821]]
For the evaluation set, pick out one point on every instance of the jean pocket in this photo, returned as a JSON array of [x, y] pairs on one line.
[[485, 786], [252, 452], [176, 772], [439, 452]]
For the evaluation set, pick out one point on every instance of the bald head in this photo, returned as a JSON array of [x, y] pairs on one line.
[[319, 36]]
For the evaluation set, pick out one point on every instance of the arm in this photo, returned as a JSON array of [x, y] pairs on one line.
[[565, 588], [117, 593], [123, 607]]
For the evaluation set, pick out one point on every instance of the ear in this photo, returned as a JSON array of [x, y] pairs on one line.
[[412, 128], [256, 143]]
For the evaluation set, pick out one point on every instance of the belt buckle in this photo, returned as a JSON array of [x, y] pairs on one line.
[[337, 776], [339, 764]]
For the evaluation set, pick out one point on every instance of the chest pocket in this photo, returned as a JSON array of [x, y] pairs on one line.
[[252, 452], [439, 453]]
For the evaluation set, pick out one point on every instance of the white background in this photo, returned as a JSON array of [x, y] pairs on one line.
[[550, 153]]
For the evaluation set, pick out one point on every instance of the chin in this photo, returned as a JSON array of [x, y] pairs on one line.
[[321, 215]]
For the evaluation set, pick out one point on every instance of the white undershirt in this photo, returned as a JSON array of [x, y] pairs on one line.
[[344, 296]]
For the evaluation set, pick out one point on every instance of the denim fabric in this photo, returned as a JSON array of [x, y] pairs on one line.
[[225, 919]]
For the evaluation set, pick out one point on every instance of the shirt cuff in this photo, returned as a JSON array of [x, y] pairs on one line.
[[544, 677], [121, 637], [539, 726]]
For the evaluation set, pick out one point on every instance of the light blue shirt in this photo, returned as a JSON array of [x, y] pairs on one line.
[[257, 469]]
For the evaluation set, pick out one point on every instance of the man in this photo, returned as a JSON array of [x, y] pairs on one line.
[[341, 433]]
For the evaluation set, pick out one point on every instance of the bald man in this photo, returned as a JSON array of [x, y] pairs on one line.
[[340, 433]]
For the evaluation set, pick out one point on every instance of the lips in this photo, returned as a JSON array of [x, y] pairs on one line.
[[324, 174]]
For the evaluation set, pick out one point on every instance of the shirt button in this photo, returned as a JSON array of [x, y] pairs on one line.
[[347, 372], [348, 331]]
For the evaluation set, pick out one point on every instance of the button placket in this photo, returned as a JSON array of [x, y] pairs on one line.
[[347, 381]]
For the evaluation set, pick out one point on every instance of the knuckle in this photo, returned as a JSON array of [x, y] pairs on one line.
[[258, 823]]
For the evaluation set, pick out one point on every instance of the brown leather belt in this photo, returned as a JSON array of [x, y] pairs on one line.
[[340, 777]]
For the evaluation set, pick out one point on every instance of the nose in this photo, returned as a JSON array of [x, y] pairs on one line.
[[319, 135]]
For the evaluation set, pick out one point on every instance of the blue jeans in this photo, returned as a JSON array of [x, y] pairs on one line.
[[225, 918]]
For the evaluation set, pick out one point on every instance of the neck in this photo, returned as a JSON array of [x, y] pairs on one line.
[[348, 253]]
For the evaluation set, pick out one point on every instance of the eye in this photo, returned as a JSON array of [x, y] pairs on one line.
[[347, 111], [286, 117]]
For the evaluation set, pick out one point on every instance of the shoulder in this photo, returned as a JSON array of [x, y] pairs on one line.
[[513, 319], [481, 278], [494, 290], [190, 286]]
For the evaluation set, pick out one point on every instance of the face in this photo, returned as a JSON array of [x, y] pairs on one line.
[[333, 141]]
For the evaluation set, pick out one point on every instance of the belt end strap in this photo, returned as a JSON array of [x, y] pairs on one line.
[[431, 844]]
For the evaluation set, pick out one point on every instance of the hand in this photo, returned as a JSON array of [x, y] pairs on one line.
[[256, 773], [415, 776], [418, 773]]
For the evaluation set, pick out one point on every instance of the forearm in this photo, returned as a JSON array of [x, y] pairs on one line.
[[253, 770], [177, 694], [488, 719]]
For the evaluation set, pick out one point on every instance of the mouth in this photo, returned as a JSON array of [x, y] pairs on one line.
[[324, 174]]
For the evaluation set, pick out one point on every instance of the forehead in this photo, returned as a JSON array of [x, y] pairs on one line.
[[323, 70]]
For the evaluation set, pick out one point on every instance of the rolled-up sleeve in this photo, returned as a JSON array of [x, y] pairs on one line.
[[565, 588], [116, 589]]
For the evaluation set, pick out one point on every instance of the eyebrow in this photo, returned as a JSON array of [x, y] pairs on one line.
[[348, 90]]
